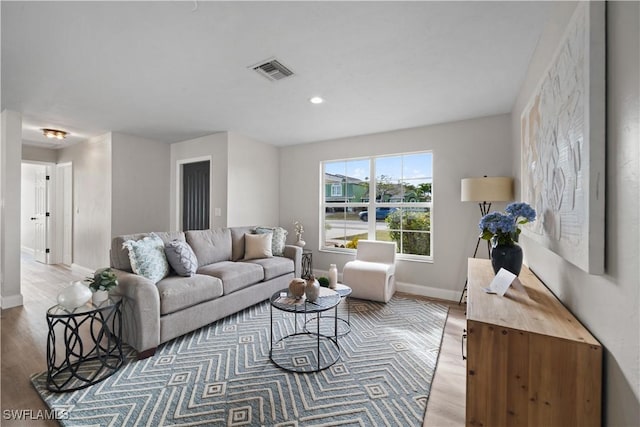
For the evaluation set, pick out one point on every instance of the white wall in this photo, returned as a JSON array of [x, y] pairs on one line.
[[140, 185], [10, 165], [462, 149], [92, 169], [28, 204], [607, 305], [216, 147], [39, 154], [253, 182]]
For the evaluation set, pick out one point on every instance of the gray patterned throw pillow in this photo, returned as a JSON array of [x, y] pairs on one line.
[[181, 258], [278, 240]]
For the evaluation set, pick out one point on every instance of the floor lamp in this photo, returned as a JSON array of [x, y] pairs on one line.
[[484, 191]]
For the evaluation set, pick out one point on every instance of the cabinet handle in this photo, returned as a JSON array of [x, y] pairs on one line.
[[464, 337]]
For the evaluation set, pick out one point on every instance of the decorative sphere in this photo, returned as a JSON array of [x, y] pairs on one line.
[[75, 295]]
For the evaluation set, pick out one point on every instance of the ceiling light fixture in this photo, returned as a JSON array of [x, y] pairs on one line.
[[316, 100], [54, 133]]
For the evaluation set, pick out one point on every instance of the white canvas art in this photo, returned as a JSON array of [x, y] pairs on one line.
[[563, 145]]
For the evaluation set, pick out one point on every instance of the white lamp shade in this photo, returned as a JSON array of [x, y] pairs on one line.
[[487, 189]]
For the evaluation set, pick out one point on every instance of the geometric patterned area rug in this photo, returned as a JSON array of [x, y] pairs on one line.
[[221, 375]]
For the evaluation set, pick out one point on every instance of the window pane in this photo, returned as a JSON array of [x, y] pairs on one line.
[[416, 166], [342, 226], [388, 179], [346, 181], [413, 242]]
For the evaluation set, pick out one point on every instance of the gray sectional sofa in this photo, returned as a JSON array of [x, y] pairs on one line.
[[154, 313]]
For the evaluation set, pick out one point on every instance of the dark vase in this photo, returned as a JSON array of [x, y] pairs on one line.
[[508, 257]]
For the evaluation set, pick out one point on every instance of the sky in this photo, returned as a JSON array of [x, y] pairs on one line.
[[415, 167]]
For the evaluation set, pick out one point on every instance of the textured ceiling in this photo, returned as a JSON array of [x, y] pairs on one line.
[[172, 71]]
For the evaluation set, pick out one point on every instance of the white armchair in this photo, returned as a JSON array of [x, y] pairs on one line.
[[372, 274]]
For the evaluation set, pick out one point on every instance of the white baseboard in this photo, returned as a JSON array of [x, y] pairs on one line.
[[427, 291], [78, 269], [410, 288], [11, 301], [29, 251]]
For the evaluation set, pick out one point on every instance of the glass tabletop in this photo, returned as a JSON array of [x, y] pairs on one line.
[[327, 300], [60, 311]]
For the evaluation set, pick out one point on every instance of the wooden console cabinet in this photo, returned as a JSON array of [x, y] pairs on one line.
[[529, 361]]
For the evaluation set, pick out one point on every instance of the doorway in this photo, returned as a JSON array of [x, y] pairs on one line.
[[196, 195], [47, 212]]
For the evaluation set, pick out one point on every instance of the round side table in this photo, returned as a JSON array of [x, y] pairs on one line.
[[342, 325], [84, 345]]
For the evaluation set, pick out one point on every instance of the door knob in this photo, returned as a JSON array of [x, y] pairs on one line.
[[33, 218]]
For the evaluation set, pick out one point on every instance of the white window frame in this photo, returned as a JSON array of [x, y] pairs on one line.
[[338, 186], [372, 204]]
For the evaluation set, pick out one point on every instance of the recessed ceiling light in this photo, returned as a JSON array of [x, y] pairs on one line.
[[316, 100]]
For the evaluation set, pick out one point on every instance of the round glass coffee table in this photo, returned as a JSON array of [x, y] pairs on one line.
[[302, 350]]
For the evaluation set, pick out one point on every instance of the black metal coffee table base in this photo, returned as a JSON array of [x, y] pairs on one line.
[[305, 351]]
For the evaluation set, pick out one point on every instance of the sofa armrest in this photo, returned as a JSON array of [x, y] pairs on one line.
[[140, 310], [295, 253]]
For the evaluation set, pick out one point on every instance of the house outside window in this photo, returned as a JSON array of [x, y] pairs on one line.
[[394, 206]]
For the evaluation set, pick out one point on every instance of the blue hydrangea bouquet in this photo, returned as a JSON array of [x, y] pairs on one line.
[[503, 228]]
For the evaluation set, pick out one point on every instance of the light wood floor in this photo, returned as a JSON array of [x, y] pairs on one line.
[[24, 340]]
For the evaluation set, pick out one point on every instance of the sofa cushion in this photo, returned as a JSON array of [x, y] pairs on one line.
[[147, 257], [120, 255], [177, 293], [279, 238], [237, 241], [181, 258], [257, 246], [210, 245], [275, 266], [234, 275]]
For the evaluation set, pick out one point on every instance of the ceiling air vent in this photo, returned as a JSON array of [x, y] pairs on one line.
[[272, 70]]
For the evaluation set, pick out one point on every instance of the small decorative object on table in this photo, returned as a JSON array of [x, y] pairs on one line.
[[312, 290], [502, 230], [73, 296], [324, 281], [333, 276], [296, 288], [102, 281], [299, 230]]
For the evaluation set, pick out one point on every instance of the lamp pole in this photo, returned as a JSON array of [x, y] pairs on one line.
[[485, 207]]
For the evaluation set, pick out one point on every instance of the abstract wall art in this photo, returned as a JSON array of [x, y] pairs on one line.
[[563, 144]]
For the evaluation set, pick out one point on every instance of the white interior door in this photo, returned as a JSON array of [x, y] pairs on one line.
[[63, 214], [41, 216]]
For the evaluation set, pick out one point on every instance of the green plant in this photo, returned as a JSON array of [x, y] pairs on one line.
[[324, 281], [416, 242], [103, 279]]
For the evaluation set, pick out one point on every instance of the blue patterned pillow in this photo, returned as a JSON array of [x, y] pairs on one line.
[[147, 257], [278, 240], [181, 258]]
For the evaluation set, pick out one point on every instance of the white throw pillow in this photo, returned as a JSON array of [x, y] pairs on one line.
[[257, 246]]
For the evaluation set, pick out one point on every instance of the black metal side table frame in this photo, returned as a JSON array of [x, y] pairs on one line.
[[307, 263], [84, 364], [344, 291], [321, 305]]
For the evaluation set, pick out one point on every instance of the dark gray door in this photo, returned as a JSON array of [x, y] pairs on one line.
[[195, 196]]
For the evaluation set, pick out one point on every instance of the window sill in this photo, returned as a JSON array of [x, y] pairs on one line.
[[399, 257]]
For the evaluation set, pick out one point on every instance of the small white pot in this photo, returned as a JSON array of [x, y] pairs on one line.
[[100, 297]]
